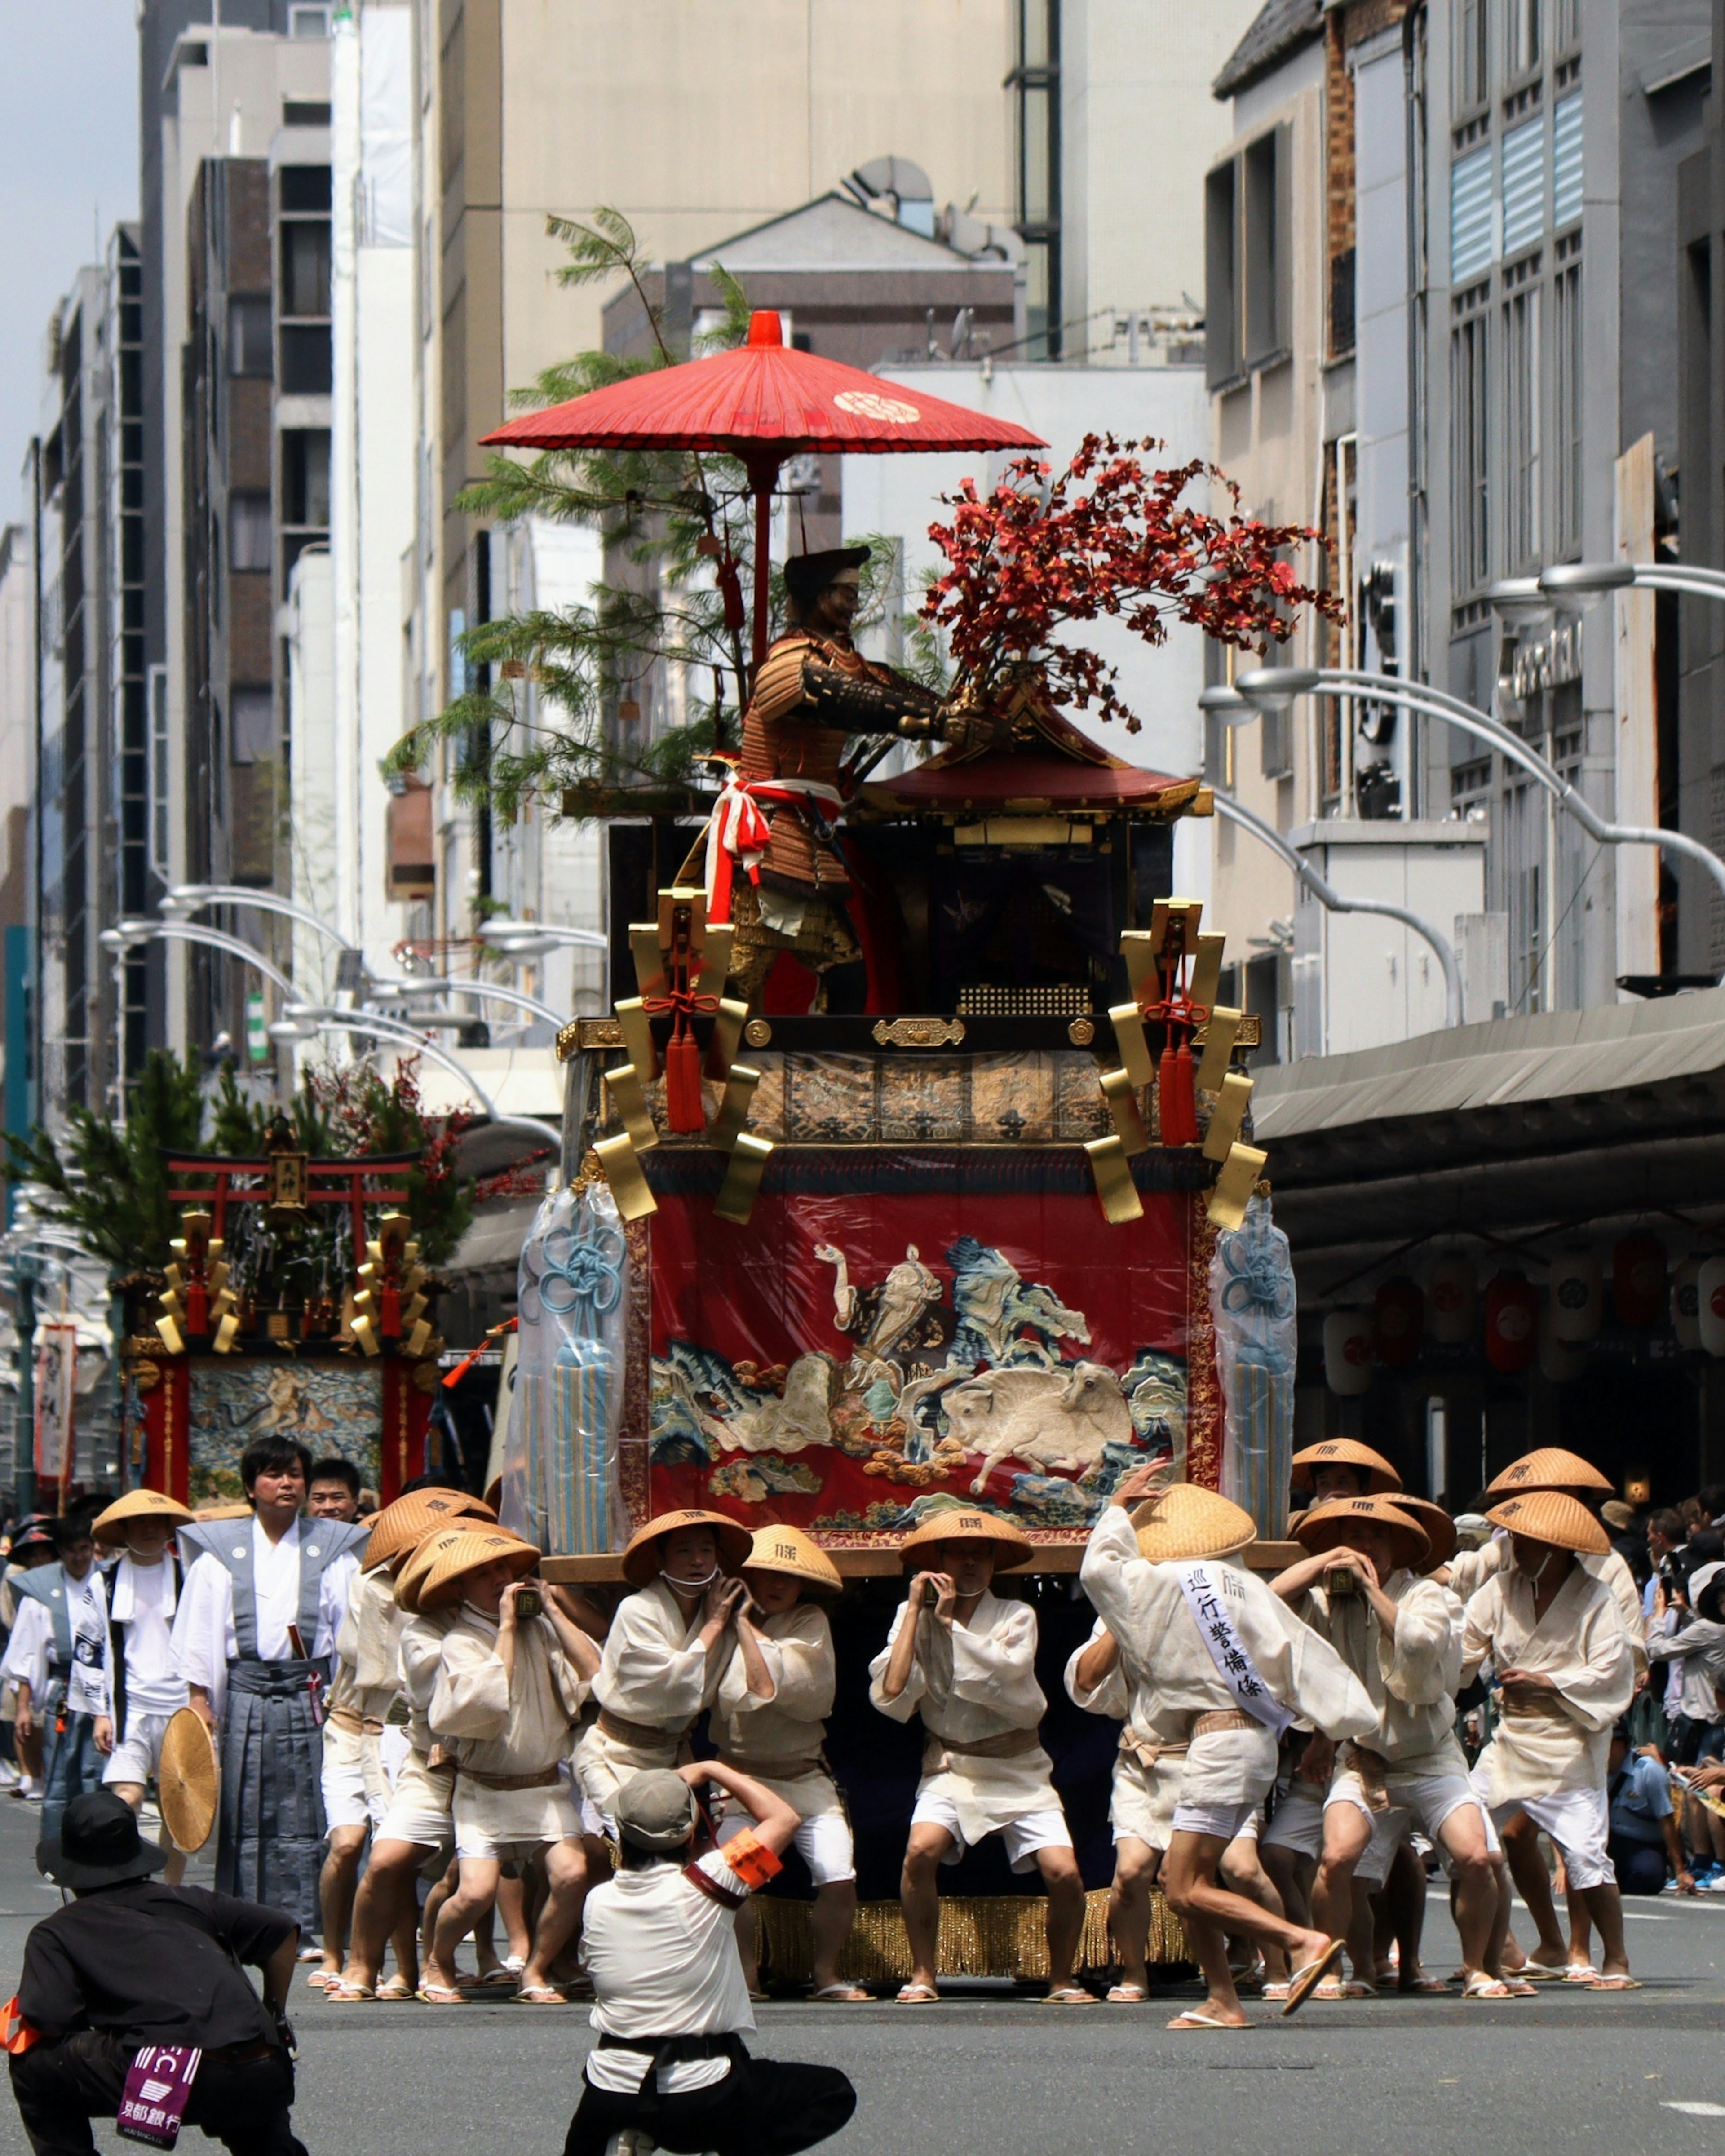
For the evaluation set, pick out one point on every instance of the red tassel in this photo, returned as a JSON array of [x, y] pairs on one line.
[[683, 1106], [1176, 1097]]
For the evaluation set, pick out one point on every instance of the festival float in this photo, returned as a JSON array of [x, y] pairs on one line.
[[997, 1233]]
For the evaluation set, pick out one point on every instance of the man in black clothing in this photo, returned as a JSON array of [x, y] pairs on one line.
[[131, 1961]]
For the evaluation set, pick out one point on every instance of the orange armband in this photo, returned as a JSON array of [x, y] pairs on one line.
[[751, 1860], [15, 2033]]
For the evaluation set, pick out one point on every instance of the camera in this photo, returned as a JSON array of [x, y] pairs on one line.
[[530, 1603], [1339, 1580]]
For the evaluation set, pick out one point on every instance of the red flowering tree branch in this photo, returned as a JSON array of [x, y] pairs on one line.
[[1106, 538]]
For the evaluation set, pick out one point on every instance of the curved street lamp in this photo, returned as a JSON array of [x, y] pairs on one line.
[[130, 934], [302, 1021], [1275, 687], [186, 898], [487, 991], [524, 939], [1587, 579]]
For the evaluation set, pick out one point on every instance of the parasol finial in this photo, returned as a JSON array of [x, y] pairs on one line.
[[765, 327]]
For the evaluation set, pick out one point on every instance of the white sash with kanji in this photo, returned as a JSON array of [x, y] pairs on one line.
[[1234, 1665]]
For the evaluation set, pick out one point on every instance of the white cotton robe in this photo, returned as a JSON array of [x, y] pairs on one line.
[[1166, 1659], [779, 1740], [496, 1725], [973, 1682], [1412, 1679], [1469, 1569], [204, 1640], [653, 1673], [1146, 1783], [1581, 1645]]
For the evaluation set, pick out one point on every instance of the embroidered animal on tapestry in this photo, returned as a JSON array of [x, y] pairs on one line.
[[1057, 1419]]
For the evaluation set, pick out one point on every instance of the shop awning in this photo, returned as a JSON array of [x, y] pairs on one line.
[[1501, 1130]]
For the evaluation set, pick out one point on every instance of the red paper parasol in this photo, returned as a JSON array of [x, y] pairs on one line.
[[762, 402]]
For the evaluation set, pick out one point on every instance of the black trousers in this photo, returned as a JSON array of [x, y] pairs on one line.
[[760, 2109], [61, 2086]]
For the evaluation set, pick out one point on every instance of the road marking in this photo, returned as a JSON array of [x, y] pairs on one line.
[[1694, 2110]]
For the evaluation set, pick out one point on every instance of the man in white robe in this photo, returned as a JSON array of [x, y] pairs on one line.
[[1360, 1588], [142, 1582], [1224, 1667], [1557, 1644], [57, 1659], [965, 1659], [509, 1688], [665, 1651]]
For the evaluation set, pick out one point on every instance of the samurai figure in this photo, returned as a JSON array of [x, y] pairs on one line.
[[814, 692]]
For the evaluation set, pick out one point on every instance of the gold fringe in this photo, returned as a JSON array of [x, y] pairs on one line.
[[980, 1935]]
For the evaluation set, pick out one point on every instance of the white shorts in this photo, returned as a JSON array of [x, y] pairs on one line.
[[1023, 1835], [1422, 1800], [419, 1806], [1228, 1822], [1299, 1822], [1580, 1822], [508, 1826], [823, 1841], [355, 1793], [137, 1755]]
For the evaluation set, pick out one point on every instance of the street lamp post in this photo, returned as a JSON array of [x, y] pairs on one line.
[[187, 898], [525, 939], [1276, 686], [487, 991]]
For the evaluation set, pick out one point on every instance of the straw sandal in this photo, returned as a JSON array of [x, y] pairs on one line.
[[1581, 1972], [537, 1994], [344, 1994], [1614, 1984], [1518, 1987], [321, 1980], [1068, 1995], [439, 1994], [1195, 2017], [917, 1995], [396, 1989], [841, 1994], [1355, 1987], [1490, 1990], [1276, 1989], [1539, 1971], [1305, 1981], [1127, 1995]]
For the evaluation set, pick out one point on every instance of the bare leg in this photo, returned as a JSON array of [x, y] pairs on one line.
[[1347, 1834], [476, 1889], [1604, 1905], [1402, 1915], [1463, 1837], [830, 1922], [1189, 1880], [1291, 1875], [513, 1897], [1526, 1866], [566, 1889], [405, 1939], [919, 1896], [384, 1902], [1065, 1886], [335, 1890], [1581, 1931], [1135, 1868]]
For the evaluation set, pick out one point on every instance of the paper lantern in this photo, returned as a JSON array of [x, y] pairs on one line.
[[1512, 1322], [1577, 1296], [1686, 1303], [1638, 1279], [1397, 1315], [1452, 1301], [1710, 1304], [1561, 1363], [1347, 1350]]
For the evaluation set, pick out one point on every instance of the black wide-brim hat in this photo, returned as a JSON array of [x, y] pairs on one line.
[[807, 576], [99, 1845]]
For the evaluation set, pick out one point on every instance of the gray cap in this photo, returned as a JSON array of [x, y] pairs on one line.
[[655, 1809]]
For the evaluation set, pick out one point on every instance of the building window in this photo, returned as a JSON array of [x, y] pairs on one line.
[[305, 478], [305, 20], [159, 771], [1470, 539], [1566, 397], [306, 364], [1520, 428], [1522, 27], [1223, 341], [253, 726], [1266, 200], [1035, 82], [1470, 215], [1473, 51], [1566, 161], [249, 326], [1566, 25], [248, 530], [1524, 185], [305, 267]]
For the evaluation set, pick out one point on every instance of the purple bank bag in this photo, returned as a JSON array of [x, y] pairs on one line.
[[158, 2087]]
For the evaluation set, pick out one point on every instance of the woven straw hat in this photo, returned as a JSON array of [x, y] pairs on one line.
[[109, 1527], [640, 1552], [467, 1550], [1328, 1526], [1011, 1545], [1381, 1480], [187, 1780], [1186, 1520], [398, 1527], [1439, 1527], [425, 1553], [1550, 1468], [789, 1551], [1548, 1516]]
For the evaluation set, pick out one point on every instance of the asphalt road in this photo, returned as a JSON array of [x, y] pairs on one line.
[[997, 2075]]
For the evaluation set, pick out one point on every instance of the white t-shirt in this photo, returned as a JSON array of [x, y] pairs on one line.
[[663, 1958], [143, 1606]]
